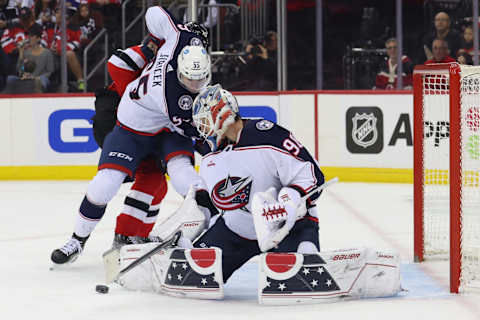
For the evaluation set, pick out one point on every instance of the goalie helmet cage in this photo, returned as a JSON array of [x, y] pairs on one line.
[[447, 168]]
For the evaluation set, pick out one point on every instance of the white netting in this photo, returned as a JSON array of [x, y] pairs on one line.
[[470, 161], [436, 170], [436, 164]]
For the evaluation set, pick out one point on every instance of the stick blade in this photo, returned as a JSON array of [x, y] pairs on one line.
[[111, 262]]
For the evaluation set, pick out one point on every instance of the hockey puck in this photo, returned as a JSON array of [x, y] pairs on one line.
[[100, 288]]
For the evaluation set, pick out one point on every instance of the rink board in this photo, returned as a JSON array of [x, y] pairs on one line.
[[355, 135]]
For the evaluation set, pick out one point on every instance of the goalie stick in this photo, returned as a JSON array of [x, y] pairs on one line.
[[317, 189], [113, 275]]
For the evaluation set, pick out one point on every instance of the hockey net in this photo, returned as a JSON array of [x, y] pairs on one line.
[[447, 170]]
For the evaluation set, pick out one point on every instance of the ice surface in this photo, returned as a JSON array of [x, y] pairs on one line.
[[37, 217]]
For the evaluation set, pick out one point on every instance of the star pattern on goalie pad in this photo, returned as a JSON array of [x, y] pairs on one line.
[[310, 278], [180, 273]]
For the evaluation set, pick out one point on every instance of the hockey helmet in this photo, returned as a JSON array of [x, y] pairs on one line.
[[214, 110], [194, 68]]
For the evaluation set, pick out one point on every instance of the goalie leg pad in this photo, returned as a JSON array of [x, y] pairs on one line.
[[290, 278], [188, 218], [194, 273], [189, 273]]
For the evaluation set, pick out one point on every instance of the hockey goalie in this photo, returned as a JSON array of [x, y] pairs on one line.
[[265, 185]]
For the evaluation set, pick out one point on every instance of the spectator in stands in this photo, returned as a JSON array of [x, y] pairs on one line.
[[15, 35], [8, 15], [110, 10], [53, 39], [39, 59], [262, 63], [440, 52], [89, 22], [3, 68], [45, 11], [465, 53], [387, 77], [442, 31]]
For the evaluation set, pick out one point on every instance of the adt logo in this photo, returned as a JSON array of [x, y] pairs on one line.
[[55, 129]]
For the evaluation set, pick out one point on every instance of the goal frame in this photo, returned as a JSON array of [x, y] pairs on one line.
[[455, 175]]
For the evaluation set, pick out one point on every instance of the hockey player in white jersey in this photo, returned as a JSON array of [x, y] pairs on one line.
[[253, 156], [153, 117], [265, 184]]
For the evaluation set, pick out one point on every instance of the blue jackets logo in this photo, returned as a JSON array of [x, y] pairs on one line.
[[80, 139]]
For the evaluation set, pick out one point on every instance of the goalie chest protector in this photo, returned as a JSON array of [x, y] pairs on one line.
[[265, 156]]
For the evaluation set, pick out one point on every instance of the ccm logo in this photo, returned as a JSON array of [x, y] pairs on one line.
[[120, 155], [346, 256]]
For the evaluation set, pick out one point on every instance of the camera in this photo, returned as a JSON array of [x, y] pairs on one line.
[[256, 41]]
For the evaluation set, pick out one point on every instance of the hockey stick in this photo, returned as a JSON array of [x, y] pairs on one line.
[[113, 276], [317, 189]]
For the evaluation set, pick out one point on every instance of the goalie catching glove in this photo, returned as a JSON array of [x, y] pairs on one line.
[[274, 216]]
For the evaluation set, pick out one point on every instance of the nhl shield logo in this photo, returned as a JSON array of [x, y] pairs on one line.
[[185, 102], [364, 131]]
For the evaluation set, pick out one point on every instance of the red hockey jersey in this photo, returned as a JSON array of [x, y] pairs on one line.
[[387, 77]]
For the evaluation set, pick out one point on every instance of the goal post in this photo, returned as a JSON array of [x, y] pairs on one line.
[[446, 169]]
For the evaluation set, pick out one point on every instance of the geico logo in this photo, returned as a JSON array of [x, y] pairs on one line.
[[70, 131], [346, 256], [439, 130], [120, 155]]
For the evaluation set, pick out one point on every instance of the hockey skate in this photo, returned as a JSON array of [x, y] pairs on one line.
[[70, 251], [119, 240]]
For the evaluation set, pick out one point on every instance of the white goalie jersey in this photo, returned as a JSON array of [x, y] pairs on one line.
[[266, 155]]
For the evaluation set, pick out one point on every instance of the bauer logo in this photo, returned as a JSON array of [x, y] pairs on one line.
[[70, 131], [364, 129]]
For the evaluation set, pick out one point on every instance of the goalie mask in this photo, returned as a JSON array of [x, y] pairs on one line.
[[214, 110], [193, 69]]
